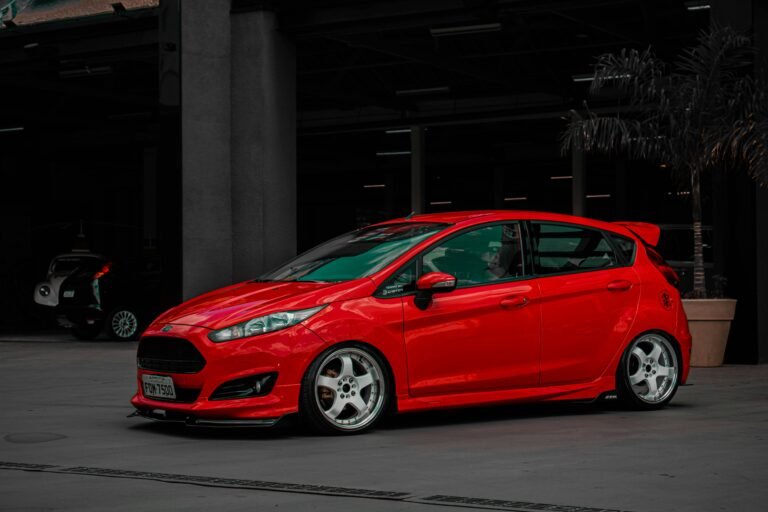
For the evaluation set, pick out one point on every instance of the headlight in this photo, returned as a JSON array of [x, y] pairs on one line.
[[263, 324]]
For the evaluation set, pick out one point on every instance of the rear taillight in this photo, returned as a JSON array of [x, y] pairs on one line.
[[103, 270], [668, 272]]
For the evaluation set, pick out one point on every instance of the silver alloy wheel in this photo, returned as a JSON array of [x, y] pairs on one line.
[[652, 368], [350, 388], [124, 324]]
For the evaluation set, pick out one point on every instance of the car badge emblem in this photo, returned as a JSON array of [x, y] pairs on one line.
[[167, 328]]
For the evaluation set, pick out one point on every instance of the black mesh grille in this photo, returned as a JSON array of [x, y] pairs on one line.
[[171, 355]]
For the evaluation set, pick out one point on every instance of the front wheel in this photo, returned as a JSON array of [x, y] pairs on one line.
[[649, 372], [346, 390]]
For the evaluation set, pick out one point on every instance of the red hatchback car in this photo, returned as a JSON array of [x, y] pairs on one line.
[[425, 312]]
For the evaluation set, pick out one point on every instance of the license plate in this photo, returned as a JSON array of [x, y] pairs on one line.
[[68, 294], [158, 386]]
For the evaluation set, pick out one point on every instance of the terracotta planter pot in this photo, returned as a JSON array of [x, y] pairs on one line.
[[709, 321]]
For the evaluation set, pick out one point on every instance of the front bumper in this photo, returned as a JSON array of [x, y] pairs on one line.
[[287, 353]]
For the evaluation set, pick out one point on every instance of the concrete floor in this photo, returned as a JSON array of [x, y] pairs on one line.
[[64, 404]]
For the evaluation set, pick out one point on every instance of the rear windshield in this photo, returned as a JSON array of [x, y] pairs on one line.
[[356, 254]]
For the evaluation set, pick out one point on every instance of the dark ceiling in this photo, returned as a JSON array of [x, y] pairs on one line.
[[353, 58]]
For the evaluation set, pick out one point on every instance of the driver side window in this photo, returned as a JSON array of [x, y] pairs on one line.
[[481, 256]]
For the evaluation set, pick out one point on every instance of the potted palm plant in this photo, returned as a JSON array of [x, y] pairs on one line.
[[704, 111]]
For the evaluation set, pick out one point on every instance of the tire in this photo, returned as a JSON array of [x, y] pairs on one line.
[[86, 332], [346, 390], [649, 372], [123, 324]]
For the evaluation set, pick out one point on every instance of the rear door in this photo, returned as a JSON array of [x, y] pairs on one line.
[[589, 299]]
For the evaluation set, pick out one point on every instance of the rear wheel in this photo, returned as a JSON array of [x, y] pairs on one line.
[[649, 372], [123, 324], [345, 390]]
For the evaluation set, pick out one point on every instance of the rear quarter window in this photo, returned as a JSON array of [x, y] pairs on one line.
[[625, 246]]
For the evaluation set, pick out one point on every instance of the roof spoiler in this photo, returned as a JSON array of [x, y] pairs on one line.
[[649, 233]]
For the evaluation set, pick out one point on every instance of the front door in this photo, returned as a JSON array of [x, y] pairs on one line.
[[485, 335]]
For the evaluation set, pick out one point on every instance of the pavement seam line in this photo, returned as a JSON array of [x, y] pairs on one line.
[[322, 490]]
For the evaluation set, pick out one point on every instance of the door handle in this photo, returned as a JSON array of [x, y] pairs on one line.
[[620, 285], [516, 301]]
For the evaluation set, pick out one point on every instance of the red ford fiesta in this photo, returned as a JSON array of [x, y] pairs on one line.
[[429, 311]]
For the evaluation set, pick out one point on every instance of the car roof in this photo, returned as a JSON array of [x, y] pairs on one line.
[[483, 216]]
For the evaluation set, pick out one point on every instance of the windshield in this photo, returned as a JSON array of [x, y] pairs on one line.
[[356, 254]]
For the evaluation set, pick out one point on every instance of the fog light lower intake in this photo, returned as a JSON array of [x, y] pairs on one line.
[[246, 387]]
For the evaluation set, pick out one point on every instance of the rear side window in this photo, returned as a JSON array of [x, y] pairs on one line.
[[625, 246], [559, 248]]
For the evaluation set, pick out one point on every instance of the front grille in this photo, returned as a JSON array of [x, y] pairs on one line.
[[170, 355]]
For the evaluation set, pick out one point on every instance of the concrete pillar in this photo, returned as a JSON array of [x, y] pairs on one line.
[[622, 189], [760, 30], [578, 183], [263, 147], [418, 170], [206, 231], [238, 145]]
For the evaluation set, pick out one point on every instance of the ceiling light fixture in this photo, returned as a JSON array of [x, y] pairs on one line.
[[697, 6], [436, 203], [561, 177], [423, 91], [375, 185], [85, 71], [12, 129], [598, 196], [520, 198], [465, 29], [397, 130], [392, 153]]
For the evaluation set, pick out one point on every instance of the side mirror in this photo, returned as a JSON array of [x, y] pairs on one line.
[[431, 283]]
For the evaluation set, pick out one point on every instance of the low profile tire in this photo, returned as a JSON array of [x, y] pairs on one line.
[[346, 390], [649, 372], [123, 324], [86, 332]]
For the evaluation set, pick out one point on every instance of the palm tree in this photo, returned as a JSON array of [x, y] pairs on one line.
[[704, 111]]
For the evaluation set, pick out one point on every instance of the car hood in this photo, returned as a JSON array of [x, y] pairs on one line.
[[243, 301]]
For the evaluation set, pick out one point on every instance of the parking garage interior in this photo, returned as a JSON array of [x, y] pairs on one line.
[[124, 128]]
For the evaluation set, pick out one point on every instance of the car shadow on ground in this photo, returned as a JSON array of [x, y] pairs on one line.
[[290, 426]]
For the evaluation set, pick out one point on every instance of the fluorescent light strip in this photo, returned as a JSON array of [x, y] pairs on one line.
[[424, 90], [598, 196], [12, 129], [440, 202], [377, 185], [465, 29], [397, 130], [589, 78], [697, 6], [392, 153], [521, 198], [561, 177]]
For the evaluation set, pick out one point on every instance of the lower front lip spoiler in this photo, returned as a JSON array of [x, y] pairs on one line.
[[193, 421]]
